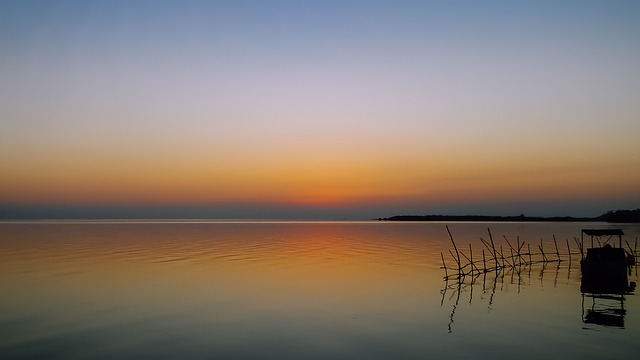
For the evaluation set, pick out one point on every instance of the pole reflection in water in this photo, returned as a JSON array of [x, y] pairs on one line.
[[603, 303], [606, 289], [312, 290]]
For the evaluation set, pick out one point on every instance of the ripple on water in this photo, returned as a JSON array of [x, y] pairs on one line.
[[290, 290]]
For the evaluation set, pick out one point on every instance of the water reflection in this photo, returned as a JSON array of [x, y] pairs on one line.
[[602, 302], [607, 301], [285, 290]]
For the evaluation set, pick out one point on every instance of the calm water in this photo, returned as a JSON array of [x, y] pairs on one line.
[[306, 290]]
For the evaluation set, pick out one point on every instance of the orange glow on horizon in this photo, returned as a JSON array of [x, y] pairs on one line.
[[269, 105], [313, 176]]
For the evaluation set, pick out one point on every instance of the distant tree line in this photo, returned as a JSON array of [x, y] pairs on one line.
[[617, 216], [621, 216]]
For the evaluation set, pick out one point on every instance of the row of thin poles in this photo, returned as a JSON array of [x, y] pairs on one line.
[[495, 257], [513, 275]]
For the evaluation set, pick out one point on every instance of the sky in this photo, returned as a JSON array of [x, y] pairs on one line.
[[318, 109]]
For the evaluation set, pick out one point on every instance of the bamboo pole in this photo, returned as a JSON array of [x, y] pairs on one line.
[[504, 258], [471, 256], [444, 266], [568, 251], [579, 244], [520, 249], [512, 258], [503, 262], [454, 257], [470, 260], [491, 251], [455, 247], [630, 249], [541, 247], [495, 256], [484, 263], [511, 250], [557, 251]]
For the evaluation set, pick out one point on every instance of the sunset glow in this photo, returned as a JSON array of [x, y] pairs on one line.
[[392, 106]]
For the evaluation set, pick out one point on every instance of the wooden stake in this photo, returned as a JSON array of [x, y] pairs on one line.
[[519, 248], [456, 248], [511, 249], [471, 256], [579, 243], [446, 273], [484, 263], [470, 260], [568, 251], [495, 255], [544, 258]]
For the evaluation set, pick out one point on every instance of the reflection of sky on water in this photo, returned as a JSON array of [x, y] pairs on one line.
[[312, 290]]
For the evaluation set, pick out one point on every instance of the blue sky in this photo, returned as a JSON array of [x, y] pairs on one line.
[[350, 107]]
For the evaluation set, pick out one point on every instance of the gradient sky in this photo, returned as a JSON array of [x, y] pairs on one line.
[[330, 109]]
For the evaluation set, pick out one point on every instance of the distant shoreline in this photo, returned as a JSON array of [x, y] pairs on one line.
[[481, 218], [619, 216]]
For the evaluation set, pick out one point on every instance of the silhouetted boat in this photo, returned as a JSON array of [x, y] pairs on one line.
[[605, 271], [605, 262]]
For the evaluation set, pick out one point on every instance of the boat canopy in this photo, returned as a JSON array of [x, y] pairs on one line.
[[603, 232]]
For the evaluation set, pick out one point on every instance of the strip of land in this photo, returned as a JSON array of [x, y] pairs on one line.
[[617, 216]]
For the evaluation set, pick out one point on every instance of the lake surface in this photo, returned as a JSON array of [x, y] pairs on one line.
[[305, 290]]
